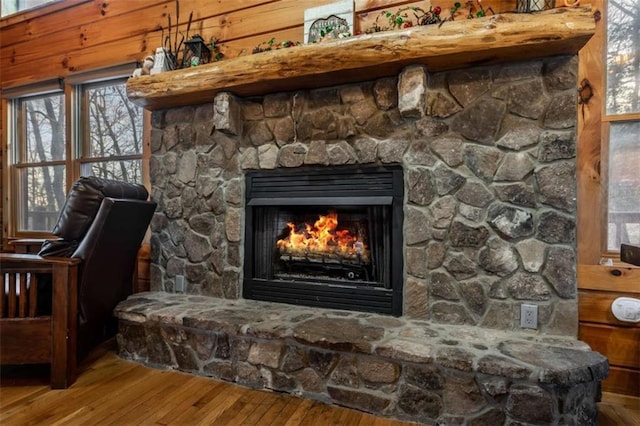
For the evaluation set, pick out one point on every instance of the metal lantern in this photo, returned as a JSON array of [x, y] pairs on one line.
[[196, 52], [526, 6]]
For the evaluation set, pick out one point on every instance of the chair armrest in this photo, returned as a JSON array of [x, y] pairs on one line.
[[29, 245], [12, 262]]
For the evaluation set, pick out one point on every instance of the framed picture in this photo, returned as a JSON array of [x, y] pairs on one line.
[[328, 21]]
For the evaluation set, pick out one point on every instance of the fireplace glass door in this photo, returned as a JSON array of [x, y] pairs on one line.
[[329, 238]]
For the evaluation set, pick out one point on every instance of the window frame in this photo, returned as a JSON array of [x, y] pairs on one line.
[[43, 4], [75, 127], [607, 119], [81, 137], [13, 120], [21, 162]]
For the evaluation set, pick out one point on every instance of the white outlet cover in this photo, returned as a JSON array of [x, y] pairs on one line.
[[529, 316], [626, 309]]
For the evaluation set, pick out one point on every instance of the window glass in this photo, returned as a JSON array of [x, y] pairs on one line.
[[106, 141], [45, 128], [621, 120], [115, 124], [623, 58], [45, 197], [624, 184], [114, 133], [13, 6], [41, 156]]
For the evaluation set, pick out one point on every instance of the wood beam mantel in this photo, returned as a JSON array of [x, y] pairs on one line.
[[458, 44]]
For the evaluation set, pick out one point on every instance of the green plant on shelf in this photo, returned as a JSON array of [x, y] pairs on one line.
[[216, 53], [408, 17], [271, 44]]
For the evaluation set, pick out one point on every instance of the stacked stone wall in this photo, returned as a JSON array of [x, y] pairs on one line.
[[488, 155]]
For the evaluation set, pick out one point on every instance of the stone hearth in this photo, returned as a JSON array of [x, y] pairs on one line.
[[488, 155], [408, 369]]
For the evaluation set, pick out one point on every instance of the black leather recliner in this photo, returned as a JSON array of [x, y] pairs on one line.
[[57, 305]]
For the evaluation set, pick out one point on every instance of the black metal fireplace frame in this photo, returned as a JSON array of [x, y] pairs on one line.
[[328, 186]]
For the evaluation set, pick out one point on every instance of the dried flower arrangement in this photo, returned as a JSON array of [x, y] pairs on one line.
[[182, 51], [172, 47]]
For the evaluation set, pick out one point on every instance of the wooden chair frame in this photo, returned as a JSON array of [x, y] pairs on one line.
[[26, 337]]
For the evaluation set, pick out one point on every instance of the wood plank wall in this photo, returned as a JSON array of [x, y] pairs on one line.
[[89, 34], [81, 35]]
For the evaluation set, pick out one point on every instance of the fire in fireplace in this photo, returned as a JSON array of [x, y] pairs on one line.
[[326, 237], [324, 249]]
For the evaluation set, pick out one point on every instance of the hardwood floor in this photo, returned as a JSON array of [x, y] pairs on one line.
[[618, 410], [111, 391]]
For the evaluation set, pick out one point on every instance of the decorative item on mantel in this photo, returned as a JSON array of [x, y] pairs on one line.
[[216, 53], [272, 44], [146, 68], [334, 18], [527, 6], [330, 28], [172, 47], [173, 55], [161, 62], [196, 52], [402, 18]]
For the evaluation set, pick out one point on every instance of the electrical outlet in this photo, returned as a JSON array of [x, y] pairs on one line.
[[529, 316], [179, 287]]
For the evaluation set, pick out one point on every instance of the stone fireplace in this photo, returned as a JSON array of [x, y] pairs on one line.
[[476, 216], [403, 294], [488, 162]]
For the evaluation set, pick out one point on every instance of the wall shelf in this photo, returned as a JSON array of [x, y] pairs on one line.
[[459, 44]]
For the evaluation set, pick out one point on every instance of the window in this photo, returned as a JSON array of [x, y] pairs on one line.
[[13, 6], [111, 145], [622, 123], [56, 136], [41, 161]]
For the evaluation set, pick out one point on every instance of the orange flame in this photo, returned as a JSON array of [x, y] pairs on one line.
[[323, 239]]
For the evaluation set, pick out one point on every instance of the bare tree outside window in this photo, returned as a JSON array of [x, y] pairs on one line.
[[622, 108], [42, 162], [114, 132], [107, 140], [623, 58]]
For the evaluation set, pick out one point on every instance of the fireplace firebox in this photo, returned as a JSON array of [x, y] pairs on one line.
[[327, 237]]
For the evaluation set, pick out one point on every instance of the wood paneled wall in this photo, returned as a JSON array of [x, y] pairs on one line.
[[81, 35], [619, 341]]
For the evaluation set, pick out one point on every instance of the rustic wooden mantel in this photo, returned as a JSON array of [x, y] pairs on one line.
[[459, 44]]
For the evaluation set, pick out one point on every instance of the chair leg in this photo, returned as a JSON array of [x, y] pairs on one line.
[[64, 325]]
